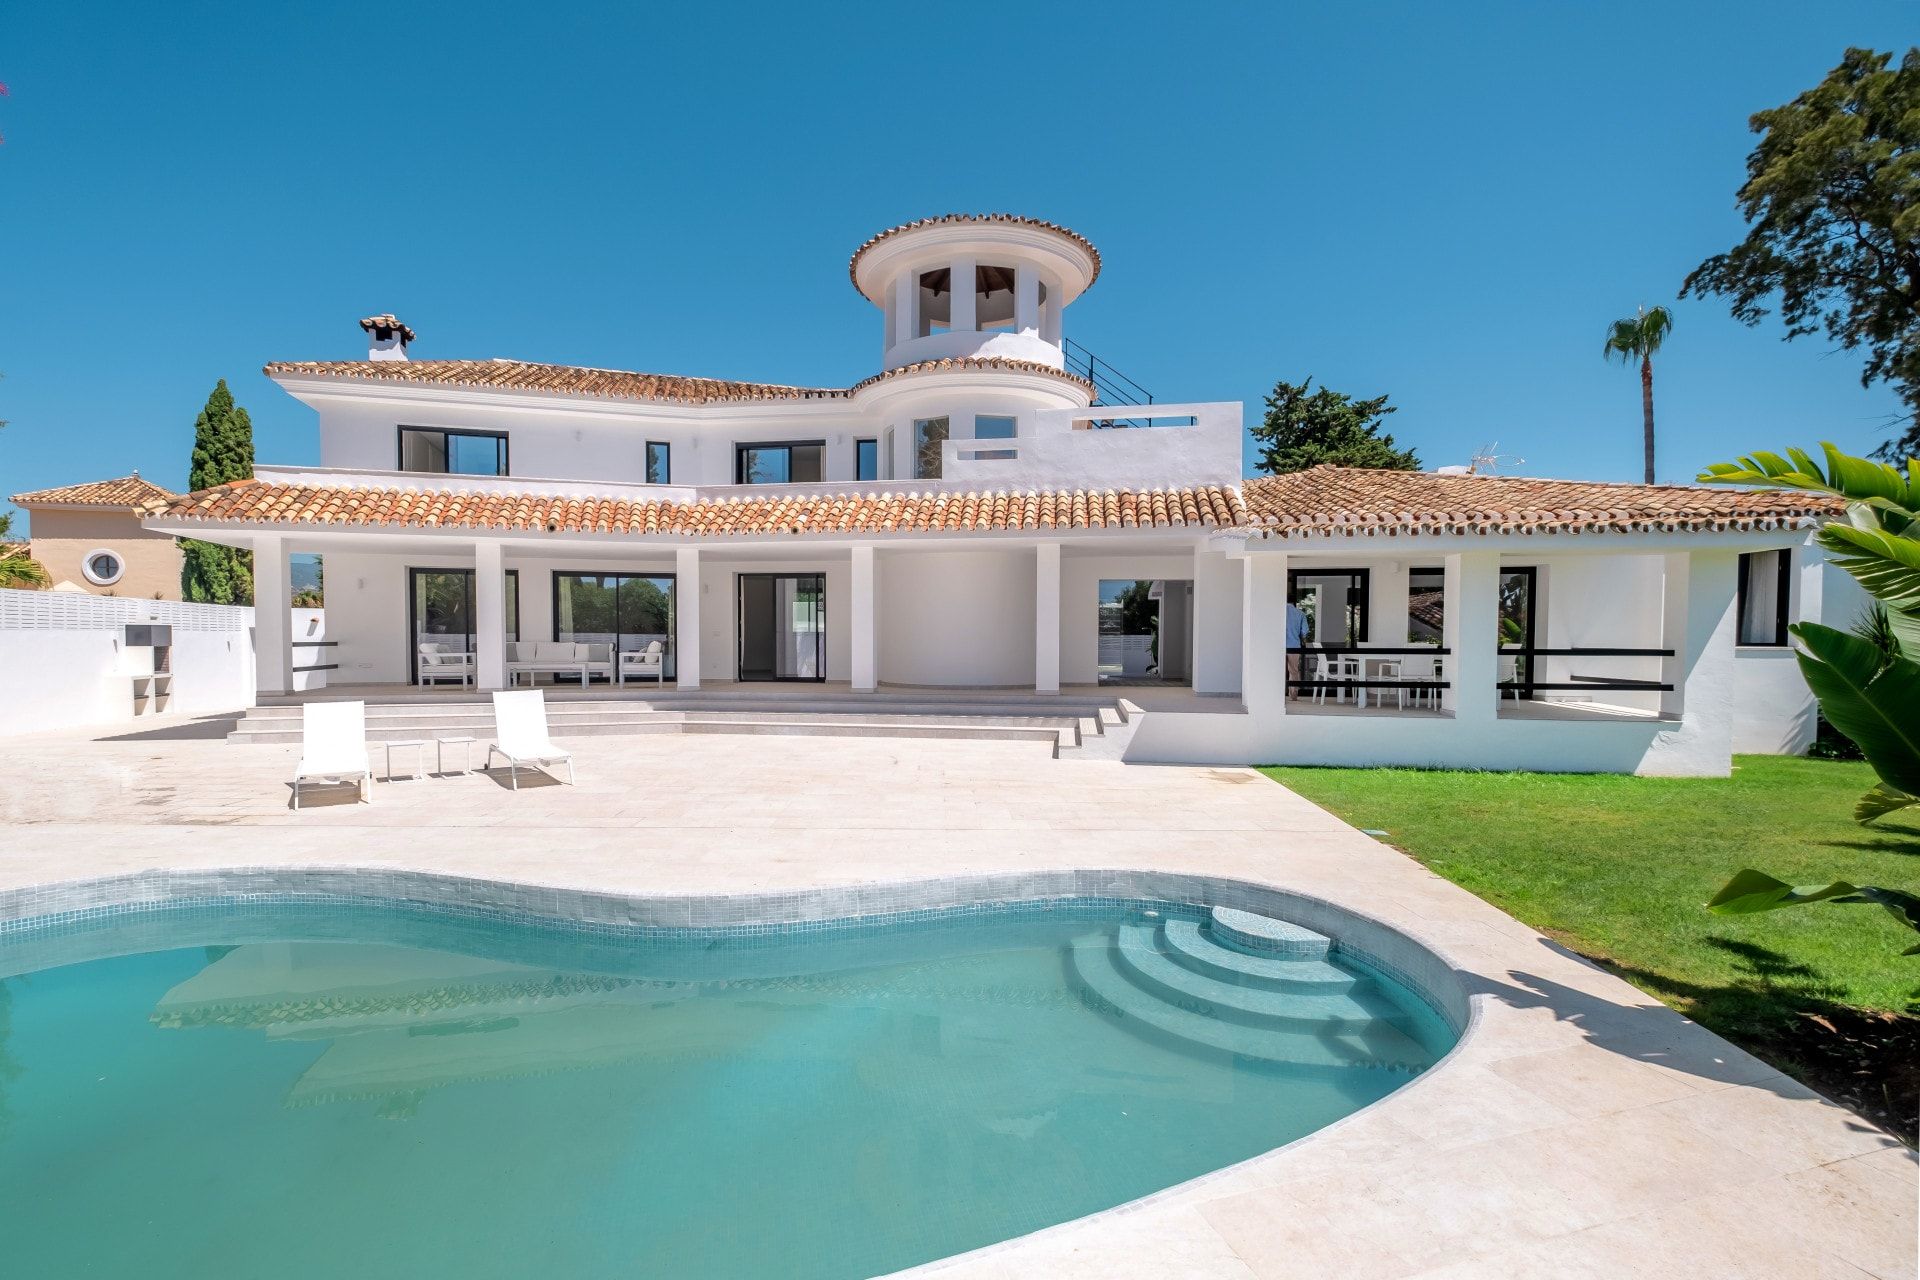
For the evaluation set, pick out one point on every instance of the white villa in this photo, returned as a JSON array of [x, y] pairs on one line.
[[963, 521]]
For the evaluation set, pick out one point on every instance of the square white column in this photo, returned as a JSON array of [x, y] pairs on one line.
[[962, 313], [906, 306], [489, 615], [1046, 618], [1699, 623], [864, 621], [1216, 621], [1263, 633], [686, 617], [1050, 316], [1026, 301], [272, 616], [1471, 631]]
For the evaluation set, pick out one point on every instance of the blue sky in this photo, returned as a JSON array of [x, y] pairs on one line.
[[1446, 203]]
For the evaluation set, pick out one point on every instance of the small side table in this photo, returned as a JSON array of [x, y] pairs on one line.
[[465, 743], [419, 746]]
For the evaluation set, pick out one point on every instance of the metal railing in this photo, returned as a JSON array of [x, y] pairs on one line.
[[1109, 385], [1599, 684]]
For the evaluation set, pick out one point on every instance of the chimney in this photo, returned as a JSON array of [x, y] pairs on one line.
[[387, 338]]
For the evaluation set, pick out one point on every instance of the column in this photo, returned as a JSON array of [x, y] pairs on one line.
[[1216, 621], [866, 616], [1046, 618], [272, 616], [962, 313], [906, 306], [1471, 597], [1699, 624], [1050, 317], [686, 614], [1263, 632], [1026, 302], [489, 615]]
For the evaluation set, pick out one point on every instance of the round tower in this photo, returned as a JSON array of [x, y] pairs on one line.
[[968, 285]]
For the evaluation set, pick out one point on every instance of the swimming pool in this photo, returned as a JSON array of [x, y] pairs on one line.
[[297, 1088]]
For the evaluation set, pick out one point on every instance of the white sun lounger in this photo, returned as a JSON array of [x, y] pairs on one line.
[[520, 724], [333, 747]]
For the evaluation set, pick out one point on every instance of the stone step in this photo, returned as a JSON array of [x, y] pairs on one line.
[[1188, 944], [1380, 1047], [1140, 957], [1265, 936], [687, 723]]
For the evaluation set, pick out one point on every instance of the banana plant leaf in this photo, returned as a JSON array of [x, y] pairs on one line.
[[1873, 701], [1753, 891]]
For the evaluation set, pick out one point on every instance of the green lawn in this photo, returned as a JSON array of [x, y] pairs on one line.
[[1617, 868]]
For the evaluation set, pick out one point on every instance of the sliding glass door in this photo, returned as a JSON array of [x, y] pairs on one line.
[[622, 609], [783, 626], [440, 610]]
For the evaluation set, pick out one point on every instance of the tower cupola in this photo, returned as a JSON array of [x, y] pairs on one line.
[[974, 285]]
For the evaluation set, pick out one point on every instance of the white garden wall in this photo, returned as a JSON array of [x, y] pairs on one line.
[[64, 662]]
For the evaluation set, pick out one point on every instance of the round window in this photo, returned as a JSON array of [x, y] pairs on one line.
[[102, 567]]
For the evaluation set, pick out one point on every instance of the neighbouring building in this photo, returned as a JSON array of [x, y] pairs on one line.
[[88, 537], [970, 518]]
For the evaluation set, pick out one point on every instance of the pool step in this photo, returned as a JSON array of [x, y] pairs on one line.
[[1188, 944], [1266, 936], [1110, 989], [1139, 955]]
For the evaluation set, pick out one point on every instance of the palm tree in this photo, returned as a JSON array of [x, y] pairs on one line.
[[17, 568], [1637, 339]]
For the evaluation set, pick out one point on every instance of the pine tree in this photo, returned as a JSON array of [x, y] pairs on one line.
[[1304, 428], [222, 453]]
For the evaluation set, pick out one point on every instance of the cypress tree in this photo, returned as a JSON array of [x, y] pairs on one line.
[[222, 453]]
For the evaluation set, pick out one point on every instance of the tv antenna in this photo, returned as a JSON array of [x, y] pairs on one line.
[[1488, 460]]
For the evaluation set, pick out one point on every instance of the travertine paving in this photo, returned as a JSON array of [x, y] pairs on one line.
[[1581, 1129]]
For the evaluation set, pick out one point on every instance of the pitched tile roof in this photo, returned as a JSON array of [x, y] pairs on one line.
[[1328, 500], [130, 492], [619, 384], [990, 511], [853, 263]]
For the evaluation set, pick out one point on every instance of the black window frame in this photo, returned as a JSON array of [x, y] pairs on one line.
[[740, 456], [473, 607], [400, 449], [666, 461], [672, 668], [1783, 600], [1365, 577], [866, 442]]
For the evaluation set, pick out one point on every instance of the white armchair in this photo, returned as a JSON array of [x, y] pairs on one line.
[[650, 661], [441, 662]]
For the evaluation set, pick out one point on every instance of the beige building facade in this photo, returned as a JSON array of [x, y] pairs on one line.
[[88, 538]]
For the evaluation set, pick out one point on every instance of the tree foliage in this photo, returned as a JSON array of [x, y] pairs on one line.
[[1305, 428], [222, 453], [18, 568], [1832, 202]]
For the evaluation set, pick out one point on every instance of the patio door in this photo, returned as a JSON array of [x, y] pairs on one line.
[[440, 609], [783, 626], [1519, 588]]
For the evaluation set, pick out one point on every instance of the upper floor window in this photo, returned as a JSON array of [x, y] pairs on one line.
[[790, 462], [929, 441], [866, 459], [1764, 589], [986, 428], [461, 453], [659, 462]]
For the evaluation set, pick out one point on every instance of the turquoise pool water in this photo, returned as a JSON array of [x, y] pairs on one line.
[[325, 1089]]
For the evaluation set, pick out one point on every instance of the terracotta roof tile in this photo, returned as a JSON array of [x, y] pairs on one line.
[[256, 501], [946, 219], [129, 492], [620, 384], [1329, 500], [388, 321]]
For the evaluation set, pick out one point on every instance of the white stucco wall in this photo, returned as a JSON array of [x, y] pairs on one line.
[[958, 618], [67, 665]]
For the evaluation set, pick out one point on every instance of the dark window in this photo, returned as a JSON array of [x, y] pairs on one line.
[[625, 610], [795, 462], [1335, 602], [441, 607], [1426, 606], [1764, 590], [462, 453], [929, 441], [985, 428], [866, 459], [659, 462]]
